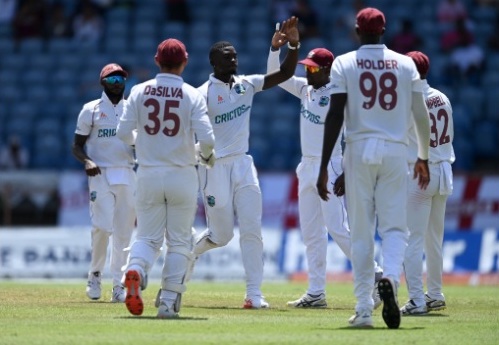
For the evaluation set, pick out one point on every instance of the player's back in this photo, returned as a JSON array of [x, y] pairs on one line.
[[441, 125], [379, 83], [164, 107]]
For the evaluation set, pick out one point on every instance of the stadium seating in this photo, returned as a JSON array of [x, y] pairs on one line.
[[53, 78]]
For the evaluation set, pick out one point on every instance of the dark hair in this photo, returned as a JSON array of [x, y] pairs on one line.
[[219, 46]]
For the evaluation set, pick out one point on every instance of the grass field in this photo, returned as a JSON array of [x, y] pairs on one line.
[[58, 312]]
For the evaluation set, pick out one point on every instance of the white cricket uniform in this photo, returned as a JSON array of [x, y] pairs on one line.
[[112, 207], [231, 188], [379, 83], [426, 208], [167, 114], [317, 217]]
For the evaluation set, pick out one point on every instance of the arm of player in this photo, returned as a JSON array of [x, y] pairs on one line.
[[332, 129], [125, 131], [200, 123], [78, 150], [289, 30], [127, 126], [278, 40], [422, 124], [293, 84]]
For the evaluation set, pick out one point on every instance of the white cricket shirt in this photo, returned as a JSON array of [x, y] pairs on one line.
[[167, 113], [441, 127], [229, 111], [98, 119], [314, 107], [379, 83]]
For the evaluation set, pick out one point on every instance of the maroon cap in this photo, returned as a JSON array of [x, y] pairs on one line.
[[370, 21], [421, 60], [318, 57], [171, 52], [112, 68]]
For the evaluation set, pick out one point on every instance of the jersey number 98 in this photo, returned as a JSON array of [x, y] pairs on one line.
[[386, 95], [170, 119]]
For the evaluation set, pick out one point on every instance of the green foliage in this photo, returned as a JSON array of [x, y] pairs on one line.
[[56, 312]]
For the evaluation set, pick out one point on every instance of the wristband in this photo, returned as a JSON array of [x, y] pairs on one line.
[[294, 48], [273, 50]]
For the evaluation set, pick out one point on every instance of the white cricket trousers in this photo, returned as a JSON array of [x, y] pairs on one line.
[[376, 190], [231, 189], [166, 206], [425, 218], [318, 217], [112, 213]]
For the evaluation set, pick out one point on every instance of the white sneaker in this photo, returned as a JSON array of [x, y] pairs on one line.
[[118, 294], [361, 320], [255, 302], [410, 308], [93, 285], [434, 304], [309, 301], [165, 312]]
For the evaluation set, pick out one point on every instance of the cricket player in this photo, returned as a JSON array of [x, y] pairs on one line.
[[317, 217], [426, 208], [377, 92], [167, 115], [231, 189], [111, 180]]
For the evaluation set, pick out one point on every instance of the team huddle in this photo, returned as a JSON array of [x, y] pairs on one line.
[[393, 176]]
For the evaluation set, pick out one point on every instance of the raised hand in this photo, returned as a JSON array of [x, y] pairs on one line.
[[279, 39], [290, 30]]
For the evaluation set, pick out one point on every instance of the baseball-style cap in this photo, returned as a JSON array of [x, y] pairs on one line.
[[112, 68], [421, 60], [318, 57], [171, 52], [370, 21]]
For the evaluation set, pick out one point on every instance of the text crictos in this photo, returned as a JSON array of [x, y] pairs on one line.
[[310, 116], [231, 115], [106, 132]]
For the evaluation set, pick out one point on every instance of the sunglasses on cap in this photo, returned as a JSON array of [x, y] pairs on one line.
[[115, 79], [312, 69]]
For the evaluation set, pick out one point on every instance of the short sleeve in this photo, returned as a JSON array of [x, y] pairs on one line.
[[84, 123], [338, 81]]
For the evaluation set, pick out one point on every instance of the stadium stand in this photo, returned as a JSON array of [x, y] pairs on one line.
[[55, 77]]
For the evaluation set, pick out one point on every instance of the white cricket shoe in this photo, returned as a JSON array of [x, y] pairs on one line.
[[309, 301], [434, 304], [165, 312], [93, 285], [410, 308], [119, 294], [255, 302], [362, 319]]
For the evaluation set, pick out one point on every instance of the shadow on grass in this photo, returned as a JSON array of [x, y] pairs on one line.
[[182, 318], [379, 328], [425, 315]]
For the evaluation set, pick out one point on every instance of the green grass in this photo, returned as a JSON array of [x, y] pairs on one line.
[[59, 313]]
